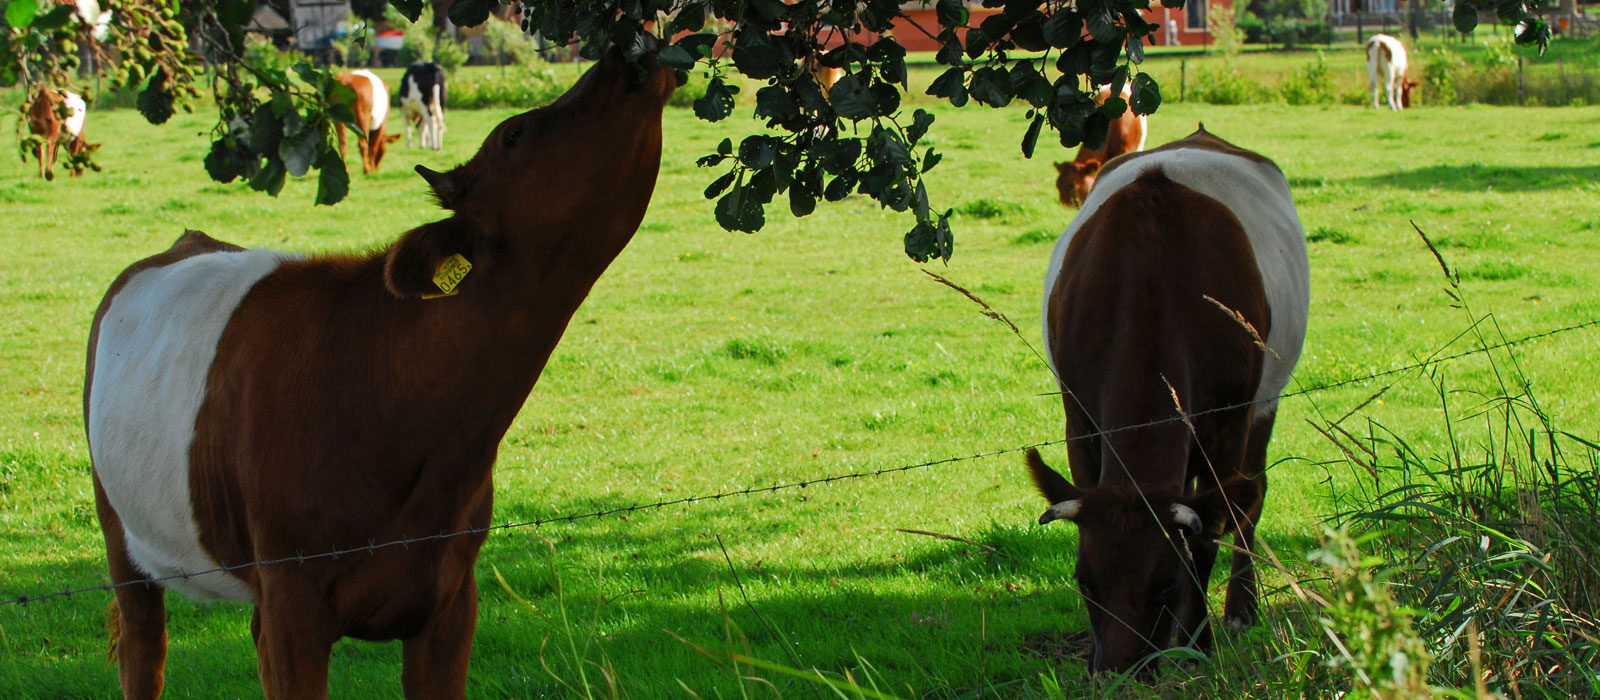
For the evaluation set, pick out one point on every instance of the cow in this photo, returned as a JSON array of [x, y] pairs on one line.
[[1386, 65], [422, 98], [56, 116], [246, 405], [371, 109], [1126, 135], [1132, 333]]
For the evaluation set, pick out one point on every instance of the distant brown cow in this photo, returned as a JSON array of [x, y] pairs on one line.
[[1127, 134], [1131, 335], [250, 405], [372, 109], [58, 116]]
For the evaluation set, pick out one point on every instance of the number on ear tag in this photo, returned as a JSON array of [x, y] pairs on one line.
[[449, 275]]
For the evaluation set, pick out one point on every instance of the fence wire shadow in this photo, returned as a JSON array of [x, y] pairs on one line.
[[372, 548]]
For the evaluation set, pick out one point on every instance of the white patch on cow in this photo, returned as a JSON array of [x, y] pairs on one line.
[[380, 97], [155, 348], [1258, 194], [425, 114], [77, 112]]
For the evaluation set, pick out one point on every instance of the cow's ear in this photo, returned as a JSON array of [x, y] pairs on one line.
[[1221, 509], [414, 263], [1051, 484], [1089, 167], [1063, 167]]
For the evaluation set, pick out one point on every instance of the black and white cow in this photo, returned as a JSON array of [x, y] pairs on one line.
[[422, 102]]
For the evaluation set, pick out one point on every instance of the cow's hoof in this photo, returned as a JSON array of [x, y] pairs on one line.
[[1239, 622]]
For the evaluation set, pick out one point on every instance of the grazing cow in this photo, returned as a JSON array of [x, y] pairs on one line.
[[1386, 64], [1126, 135], [1130, 335], [56, 116], [251, 406], [422, 103], [372, 108]]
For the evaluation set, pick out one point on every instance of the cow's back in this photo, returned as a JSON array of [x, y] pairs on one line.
[[151, 346], [372, 97], [1254, 191]]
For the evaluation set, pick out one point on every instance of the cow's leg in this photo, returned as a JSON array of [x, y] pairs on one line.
[[435, 661], [293, 639], [1239, 608], [338, 128], [140, 635], [1194, 627]]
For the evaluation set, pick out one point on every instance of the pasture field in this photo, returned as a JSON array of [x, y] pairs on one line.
[[706, 361]]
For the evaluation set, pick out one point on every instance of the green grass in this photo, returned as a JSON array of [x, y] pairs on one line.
[[707, 361]]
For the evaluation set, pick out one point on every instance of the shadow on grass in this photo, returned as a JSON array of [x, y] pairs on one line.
[[1476, 177]]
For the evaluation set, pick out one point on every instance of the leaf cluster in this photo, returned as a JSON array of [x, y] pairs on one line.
[[1528, 28]]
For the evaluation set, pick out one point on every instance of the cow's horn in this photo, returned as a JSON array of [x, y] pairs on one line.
[[1186, 517], [1065, 510], [441, 183]]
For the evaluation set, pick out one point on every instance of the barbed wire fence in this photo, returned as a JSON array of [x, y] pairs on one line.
[[372, 547]]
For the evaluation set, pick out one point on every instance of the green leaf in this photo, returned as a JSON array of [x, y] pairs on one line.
[[759, 58], [1510, 12], [717, 103], [412, 9], [333, 181], [698, 45], [265, 130], [1146, 94], [57, 18], [339, 113], [756, 152], [1136, 50], [1031, 139], [1465, 16], [920, 121], [1063, 29], [270, 178], [1101, 26], [301, 149], [725, 148], [20, 13], [224, 164], [951, 13], [991, 86], [676, 57], [154, 101], [1172, 4], [802, 201], [690, 18], [471, 13], [237, 12], [738, 212], [930, 159], [950, 85], [720, 185], [851, 99]]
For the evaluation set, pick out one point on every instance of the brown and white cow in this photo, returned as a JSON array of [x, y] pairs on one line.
[[58, 116], [251, 405], [1126, 135], [372, 109], [1130, 334], [1386, 66]]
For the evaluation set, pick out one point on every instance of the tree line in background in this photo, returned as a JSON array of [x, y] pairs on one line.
[[823, 143]]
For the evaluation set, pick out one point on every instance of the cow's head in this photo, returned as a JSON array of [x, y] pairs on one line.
[[380, 146], [1408, 92], [1136, 561], [1075, 179], [553, 191]]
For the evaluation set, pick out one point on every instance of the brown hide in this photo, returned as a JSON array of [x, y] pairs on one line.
[[1130, 330], [343, 409], [371, 140], [1075, 179]]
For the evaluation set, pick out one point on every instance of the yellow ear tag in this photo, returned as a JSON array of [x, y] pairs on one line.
[[450, 273]]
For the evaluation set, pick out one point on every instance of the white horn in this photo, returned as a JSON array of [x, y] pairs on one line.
[[1185, 516], [1065, 510]]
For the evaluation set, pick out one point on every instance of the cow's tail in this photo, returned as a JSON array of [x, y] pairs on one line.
[[113, 623]]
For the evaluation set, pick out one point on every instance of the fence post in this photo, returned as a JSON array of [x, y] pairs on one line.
[[1522, 89], [1183, 76]]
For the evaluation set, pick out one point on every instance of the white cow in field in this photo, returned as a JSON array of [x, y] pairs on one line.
[[1386, 63]]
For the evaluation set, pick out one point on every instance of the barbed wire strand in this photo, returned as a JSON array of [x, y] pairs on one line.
[[372, 548]]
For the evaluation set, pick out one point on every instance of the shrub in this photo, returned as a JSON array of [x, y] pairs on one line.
[[1310, 85], [520, 87], [1228, 87]]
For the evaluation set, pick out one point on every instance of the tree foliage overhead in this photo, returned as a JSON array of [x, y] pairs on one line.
[[820, 145]]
